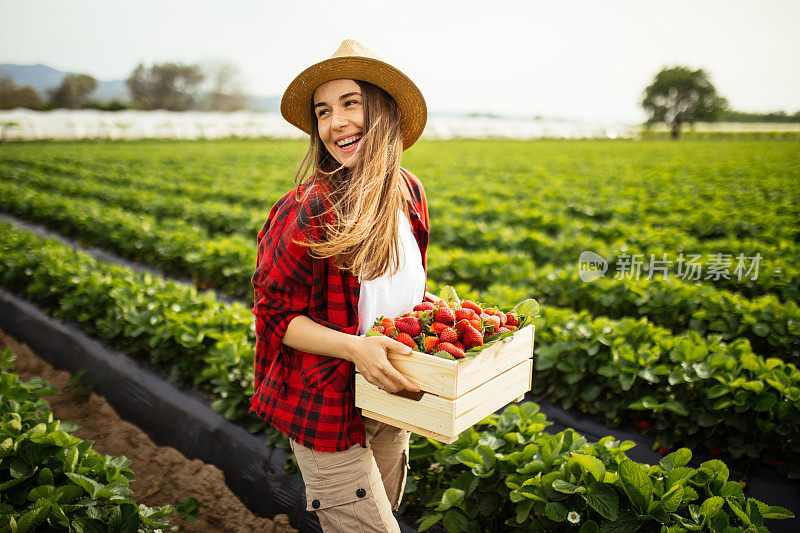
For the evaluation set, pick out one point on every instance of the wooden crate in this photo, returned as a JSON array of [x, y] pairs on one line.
[[454, 394]]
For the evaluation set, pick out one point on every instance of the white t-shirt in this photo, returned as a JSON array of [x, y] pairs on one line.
[[395, 296]]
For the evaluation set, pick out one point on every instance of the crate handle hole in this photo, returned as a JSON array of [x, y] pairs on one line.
[[416, 396]]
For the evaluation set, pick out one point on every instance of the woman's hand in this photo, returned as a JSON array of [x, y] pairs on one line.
[[369, 354]]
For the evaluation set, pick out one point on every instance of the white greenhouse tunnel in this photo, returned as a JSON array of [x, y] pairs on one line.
[[65, 124]]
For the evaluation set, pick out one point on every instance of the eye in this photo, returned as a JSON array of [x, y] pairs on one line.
[[351, 102], [321, 112]]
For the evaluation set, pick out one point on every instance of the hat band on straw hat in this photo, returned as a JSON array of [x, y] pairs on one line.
[[354, 61]]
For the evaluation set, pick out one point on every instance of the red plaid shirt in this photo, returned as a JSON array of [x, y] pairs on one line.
[[310, 397]]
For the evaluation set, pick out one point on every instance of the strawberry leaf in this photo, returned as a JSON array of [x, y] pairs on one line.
[[448, 294], [527, 310]]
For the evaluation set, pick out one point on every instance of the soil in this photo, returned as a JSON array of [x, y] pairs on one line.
[[163, 475]]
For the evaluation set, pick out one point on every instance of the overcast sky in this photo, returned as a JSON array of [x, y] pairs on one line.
[[560, 59]]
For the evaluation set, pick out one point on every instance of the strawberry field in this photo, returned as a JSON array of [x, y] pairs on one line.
[[683, 322]]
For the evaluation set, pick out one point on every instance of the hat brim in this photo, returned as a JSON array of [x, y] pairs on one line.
[[297, 99]]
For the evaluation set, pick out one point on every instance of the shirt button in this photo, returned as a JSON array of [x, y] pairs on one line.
[[315, 504], [361, 493]]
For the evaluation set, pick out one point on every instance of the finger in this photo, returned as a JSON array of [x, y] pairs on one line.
[[397, 346], [378, 379], [387, 382], [400, 381]]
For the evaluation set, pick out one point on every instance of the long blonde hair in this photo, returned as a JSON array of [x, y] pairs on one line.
[[363, 199]]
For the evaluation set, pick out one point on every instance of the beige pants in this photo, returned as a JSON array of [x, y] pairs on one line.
[[356, 490]]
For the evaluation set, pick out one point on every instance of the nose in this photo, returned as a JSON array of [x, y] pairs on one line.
[[338, 120]]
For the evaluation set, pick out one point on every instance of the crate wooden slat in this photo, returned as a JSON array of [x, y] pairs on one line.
[[450, 379], [456, 394], [440, 418]]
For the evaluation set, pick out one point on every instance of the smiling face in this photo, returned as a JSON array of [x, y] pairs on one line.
[[339, 108]]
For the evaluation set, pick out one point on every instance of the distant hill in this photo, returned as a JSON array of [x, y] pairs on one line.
[[42, 78]]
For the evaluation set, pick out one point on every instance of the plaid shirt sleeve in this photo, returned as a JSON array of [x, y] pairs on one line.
[[283, 277]]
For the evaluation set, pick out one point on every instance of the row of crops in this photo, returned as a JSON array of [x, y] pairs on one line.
[[181, 247], [707, 364]]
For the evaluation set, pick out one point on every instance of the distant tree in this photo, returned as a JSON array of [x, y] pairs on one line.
[[171, 86], [74, 91], [13, 96], [113, 105], [680, 96], [139, 87], [223, 88]]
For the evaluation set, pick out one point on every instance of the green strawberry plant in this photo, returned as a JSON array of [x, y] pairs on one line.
[[51, 480], [508, 474]]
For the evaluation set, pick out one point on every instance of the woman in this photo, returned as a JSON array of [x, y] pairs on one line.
[[346, 246]]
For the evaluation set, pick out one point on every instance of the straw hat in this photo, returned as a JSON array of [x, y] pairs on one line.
[[357, 62]]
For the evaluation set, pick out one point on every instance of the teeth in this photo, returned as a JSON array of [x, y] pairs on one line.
[[348, 140]]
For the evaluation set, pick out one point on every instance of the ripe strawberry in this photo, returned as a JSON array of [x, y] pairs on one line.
[[713, 451], [512, 319], [464, 314], [476, 323], [472, 337], [406, 339], [380, 329], [410, 325], [460, 346], [643, 424], [512, 328], [492, 320], [448, 335], [471, 305], [502, 330], [503, 318], [389, 331], [445, 315], [424, 306], [386, 322], [662, 450], [437, 327], [460, 325], [430, 343], [451, 349]]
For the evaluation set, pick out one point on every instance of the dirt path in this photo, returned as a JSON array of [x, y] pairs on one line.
[[163, 475]]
